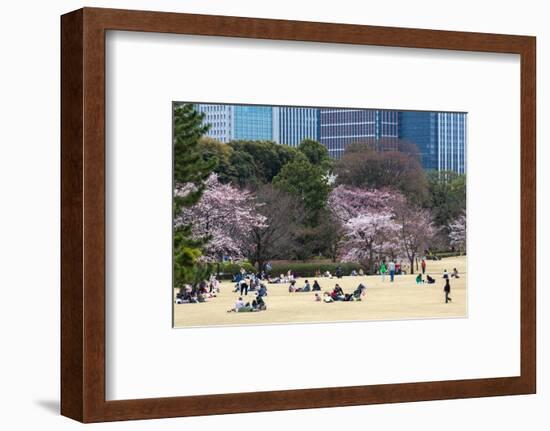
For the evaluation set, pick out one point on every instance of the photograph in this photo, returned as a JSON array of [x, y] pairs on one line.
[[287, 214]]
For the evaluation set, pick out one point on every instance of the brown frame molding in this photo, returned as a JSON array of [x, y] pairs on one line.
[[83, 214]]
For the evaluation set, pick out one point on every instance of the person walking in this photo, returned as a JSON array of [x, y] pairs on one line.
[[447, 290], [383, 270], [391, 268], [423, 265]]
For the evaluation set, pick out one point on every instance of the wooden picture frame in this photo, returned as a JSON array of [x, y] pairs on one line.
[[83, 386]]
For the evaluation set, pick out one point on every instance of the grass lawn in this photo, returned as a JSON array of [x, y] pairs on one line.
[[402, 299]]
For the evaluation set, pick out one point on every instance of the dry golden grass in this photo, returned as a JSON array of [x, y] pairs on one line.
[[402, 299]]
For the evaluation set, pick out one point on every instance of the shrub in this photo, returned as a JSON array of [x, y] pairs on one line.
[[228, 269]]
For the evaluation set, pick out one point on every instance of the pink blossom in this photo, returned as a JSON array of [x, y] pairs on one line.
[[224, 216]]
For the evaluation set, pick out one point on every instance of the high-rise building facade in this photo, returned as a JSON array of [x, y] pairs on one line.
[[253, 123], [421, 129], [441, 138], [220, 118], [451, 155], [292, 125], [340, 127]]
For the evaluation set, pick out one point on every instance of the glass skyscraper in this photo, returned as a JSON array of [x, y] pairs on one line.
[[440, 138], [253, 123], [340, 127], [292, 125]]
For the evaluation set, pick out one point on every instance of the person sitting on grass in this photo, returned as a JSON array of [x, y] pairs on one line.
[[292, 286], [419, 279], [354, 273], [238, 305], [306, 288], [338, 294], [327, 298], [455, 273], [359, 292], [348, 297], [260, 304], [317, 297], [262, 291], [246, 309], [316, 286], [429, 279], [445, 275]]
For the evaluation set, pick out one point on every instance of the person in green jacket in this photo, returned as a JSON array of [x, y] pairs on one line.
[[383, 270]]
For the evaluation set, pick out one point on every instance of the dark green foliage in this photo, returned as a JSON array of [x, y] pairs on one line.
[[257, 162], [306, 182], [242, 169], [316, 153], [219, 155], [447, 191], [189, 165]]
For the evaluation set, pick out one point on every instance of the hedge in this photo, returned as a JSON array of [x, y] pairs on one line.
[[308, 269], [228, 269], [443, 254]]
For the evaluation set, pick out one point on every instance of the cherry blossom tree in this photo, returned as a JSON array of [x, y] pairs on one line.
[[366, 217], [416, 228], [366, 235], [223, 217], [346, 202], [457, 232]]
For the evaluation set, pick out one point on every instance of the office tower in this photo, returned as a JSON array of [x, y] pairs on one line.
[[451, 153], [253, 123], [340, 127], [440, 138], [292, 125], [220, 118]]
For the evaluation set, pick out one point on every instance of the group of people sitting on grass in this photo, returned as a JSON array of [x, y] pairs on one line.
[[431, 280], [201, 292], [305, 288], [257, 304], [338, 294]]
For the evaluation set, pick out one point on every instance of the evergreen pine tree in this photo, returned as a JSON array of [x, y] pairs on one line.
[[189, 168]]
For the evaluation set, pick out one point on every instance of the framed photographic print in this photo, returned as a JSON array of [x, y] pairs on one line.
[[270, 215]]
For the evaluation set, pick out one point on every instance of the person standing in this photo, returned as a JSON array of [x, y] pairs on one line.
[[447, 290], [391, 268], [423, 265], [244, 287], [383, 270]]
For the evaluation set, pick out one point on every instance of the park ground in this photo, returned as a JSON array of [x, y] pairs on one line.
[[402, 299]]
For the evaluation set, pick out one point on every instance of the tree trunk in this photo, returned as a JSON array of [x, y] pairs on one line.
[[412, 263], [371, 261]]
